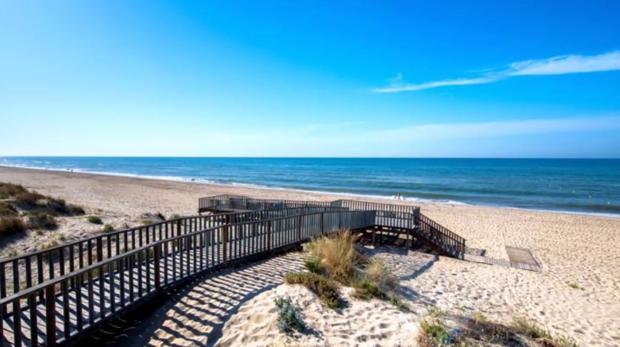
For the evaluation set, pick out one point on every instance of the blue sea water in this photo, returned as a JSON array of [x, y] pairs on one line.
[[579, 185]]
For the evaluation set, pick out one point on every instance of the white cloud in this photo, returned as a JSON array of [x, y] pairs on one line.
[[566, 64], [436, 84]]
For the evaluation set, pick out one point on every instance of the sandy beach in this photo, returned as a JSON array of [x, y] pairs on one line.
[[571, 248]]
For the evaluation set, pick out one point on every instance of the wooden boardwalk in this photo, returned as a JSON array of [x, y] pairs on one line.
[[63, 292]]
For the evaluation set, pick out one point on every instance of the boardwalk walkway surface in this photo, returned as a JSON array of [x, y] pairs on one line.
[[60, 293]]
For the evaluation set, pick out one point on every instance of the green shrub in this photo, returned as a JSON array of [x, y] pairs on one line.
[[396, 301], [94, 220], [366, 289], [323, 287], [8, 190], [41, 220], [289, 318], [7, 210], [108, 228], [11, 225], [434, 333], [76, 210], [60, 207], [28, 199], [314, 265]]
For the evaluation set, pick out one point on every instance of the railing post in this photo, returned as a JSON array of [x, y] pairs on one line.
[[225, 243], [374, 232], [269, 235], [299, 228], [157, 256], [50, 315], [322, 223], [416, 216], [99, 249]]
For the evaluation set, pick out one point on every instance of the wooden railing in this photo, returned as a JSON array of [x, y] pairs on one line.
[[389, 215], [446, 240], [244, 203], [49, 297], [27, 270], [59, 308]]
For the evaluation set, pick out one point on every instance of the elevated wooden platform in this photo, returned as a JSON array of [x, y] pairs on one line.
[[53, 296]]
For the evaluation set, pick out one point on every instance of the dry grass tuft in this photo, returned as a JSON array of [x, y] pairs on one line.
[[379, 274], [8, 190], [479, 331], [337, 255], [7, 210], [531, 329], [11, 226], [41, 220]]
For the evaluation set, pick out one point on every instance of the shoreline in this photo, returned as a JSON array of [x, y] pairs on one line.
[[406, 201]]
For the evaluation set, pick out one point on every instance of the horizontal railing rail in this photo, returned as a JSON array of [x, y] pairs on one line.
[[391, 215], [24, 271], [448, 241]]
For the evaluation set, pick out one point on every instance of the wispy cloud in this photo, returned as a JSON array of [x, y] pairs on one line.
[[477, 130], [565, 64]]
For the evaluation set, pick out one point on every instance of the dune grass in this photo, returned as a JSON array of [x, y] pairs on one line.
[[7, 210], [323, 287], [41, 220], [531, 329], [11, 226], [94, 220], [334, 259], [8, 190], [435, 331], [336, 255]]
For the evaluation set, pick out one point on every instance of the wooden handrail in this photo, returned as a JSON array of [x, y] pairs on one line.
[[158, 256]]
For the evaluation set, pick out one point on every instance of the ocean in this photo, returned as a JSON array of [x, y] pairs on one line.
[[573, 185]]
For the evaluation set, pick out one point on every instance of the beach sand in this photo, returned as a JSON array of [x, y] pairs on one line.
[[571, 248]]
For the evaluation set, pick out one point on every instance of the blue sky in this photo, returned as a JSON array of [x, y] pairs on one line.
[[310, 78]]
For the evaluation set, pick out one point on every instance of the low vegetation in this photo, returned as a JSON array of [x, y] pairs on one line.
[[333, 260], [108, 228], [336, 256], [41, 220], [434, 333], [531, 329], [289, 317], [11, 226], [323, 287], [439, 329], [22, 209], [8, 190], [574, 285], [94, 220], [7, 210]]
